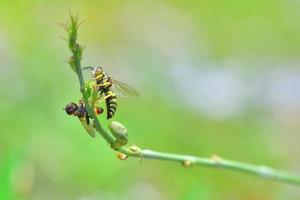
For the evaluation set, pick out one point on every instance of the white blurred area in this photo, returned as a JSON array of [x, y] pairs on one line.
[[226, 92], [218, 88]]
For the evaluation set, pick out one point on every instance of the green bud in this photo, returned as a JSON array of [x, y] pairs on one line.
[[119, 132], [72, 32], [72, 42], [71, 62], [94, 94], [78, 51], [88, 88]]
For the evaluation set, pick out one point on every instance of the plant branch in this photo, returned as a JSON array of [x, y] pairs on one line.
[[134, 151], [218, 162]]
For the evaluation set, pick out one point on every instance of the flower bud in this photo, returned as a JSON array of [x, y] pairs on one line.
[[119, 132]]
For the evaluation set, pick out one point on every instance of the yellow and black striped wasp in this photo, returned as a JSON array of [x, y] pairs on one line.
[[80, 111], [109, 89]]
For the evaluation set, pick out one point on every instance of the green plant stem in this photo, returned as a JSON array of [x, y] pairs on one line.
[[185, 160], [90, 110], [217, 162], [97, 124]]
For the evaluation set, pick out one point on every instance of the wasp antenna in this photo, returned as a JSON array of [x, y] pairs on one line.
[[90, 68]]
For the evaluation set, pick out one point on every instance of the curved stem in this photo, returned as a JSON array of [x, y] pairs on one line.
[[90, 110], [218, 162], [185, 160]]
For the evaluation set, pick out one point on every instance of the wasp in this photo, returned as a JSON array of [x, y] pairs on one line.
[[110, 89], [80, 111]]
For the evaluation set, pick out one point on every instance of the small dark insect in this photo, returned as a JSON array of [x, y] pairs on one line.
[[80, 111], [109, 89]]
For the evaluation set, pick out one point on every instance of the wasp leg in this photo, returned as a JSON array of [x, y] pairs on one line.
[[109, 94], [103, 84], [99, 76]]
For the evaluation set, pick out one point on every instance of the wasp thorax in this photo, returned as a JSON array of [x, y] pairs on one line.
[[71, 108]]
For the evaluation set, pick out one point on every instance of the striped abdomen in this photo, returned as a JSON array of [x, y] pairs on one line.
[[111, 106]]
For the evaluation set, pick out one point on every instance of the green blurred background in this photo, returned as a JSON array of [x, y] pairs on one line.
[[215, 77]]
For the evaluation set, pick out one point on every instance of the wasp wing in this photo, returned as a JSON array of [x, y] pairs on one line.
[[124, 90], [88, 127]]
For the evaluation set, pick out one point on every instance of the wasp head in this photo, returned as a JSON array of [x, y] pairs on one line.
[[71, 108], [98, 72]]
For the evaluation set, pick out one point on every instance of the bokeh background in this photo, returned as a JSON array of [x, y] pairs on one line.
[[215, 77]]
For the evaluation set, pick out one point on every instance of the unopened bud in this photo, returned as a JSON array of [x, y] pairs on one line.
[[187, 163], [122, 156], [119, 132], [71, 62]]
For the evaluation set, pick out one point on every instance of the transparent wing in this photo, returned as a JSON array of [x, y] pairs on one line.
[[124, 90], [88, 127]]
